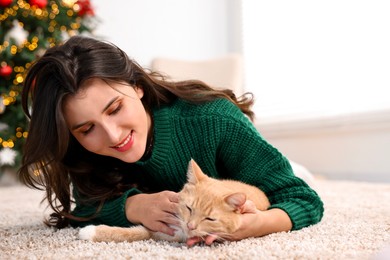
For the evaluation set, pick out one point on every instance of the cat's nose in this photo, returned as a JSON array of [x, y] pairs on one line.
[[191, 225]]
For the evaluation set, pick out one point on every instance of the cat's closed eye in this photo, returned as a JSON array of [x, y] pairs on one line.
[[210, 219], [189, 209]]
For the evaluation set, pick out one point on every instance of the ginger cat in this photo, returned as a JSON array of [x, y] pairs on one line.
[[207, 206]]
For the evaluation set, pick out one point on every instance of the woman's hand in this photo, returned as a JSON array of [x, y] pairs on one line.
[[155, 211], [254, 223]]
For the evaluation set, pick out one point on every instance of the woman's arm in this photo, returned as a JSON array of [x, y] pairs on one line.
[[248, 157], [256, 223]]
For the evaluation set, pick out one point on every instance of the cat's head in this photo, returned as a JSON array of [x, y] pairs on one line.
[[207, 206]]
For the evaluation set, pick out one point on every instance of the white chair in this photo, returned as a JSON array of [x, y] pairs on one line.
[[222, 72]]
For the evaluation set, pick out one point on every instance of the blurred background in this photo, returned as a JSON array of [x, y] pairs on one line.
[[319, 70]]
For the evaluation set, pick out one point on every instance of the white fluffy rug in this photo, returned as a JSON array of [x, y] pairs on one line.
[[356, 225]]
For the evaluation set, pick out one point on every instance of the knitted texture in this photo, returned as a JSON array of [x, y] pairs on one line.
[[225, 144]]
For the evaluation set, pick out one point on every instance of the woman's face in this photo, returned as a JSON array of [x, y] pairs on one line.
[[109, 119]]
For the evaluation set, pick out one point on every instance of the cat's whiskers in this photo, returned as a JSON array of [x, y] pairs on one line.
[[224, 237], [218, 236]]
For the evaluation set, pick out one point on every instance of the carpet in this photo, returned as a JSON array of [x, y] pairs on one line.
[[356, 225]]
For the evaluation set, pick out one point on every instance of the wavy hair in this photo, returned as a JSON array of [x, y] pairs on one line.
[[52, 158]]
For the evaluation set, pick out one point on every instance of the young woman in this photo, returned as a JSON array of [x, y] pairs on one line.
[[118, 140]]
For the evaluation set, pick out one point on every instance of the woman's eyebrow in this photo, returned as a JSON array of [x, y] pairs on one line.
[[109, 104], [104, 109]]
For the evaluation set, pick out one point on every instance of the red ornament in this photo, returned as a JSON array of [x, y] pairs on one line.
[[85, 8], [5, 3], [38, 3], [5, 71]]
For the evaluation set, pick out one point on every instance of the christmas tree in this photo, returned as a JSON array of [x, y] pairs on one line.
[[28, 28]]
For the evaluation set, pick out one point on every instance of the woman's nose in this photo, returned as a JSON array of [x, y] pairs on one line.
[[113, 133]]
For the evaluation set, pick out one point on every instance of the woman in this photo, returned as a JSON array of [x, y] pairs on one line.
[[119, 140]]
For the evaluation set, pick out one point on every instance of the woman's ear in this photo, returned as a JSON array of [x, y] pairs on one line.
[[139, 91]]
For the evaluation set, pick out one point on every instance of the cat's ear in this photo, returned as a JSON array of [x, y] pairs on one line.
[[236, 200], [194, 173]]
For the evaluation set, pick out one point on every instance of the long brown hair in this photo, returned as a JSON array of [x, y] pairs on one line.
[[52, 159]]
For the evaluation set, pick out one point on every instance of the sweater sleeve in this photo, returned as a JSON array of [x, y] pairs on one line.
[[112, 213], [251, 159], [293, 195]]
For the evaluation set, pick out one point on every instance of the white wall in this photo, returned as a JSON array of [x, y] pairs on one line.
[[184, 29]]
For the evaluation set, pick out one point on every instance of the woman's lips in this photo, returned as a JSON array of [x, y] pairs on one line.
[[126, 144]]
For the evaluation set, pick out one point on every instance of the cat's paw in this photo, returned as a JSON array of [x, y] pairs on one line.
[[87, 233]]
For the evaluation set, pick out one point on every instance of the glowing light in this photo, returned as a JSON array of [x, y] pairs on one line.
[[75, 26], [19, 78], [76, 7], [14, 49], [69, 3], [37, 172], [9, 144]]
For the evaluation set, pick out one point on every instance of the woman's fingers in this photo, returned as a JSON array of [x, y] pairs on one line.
[[193, 240], [170, 219], [174, 197], [210, 239], [155, 211], [169, 201], [248, 207], [163, 228]]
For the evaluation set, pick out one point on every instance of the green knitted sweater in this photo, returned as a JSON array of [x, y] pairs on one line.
[[225, 144]]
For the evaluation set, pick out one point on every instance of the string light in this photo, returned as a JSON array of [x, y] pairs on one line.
[[69, 3], [8, 144], [14, 49], [76, 7]]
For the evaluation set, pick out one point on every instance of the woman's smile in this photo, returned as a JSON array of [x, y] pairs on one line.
[[126, 144]]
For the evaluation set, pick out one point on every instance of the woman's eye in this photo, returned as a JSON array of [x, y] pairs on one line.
[[87, 131], [116, 110]]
